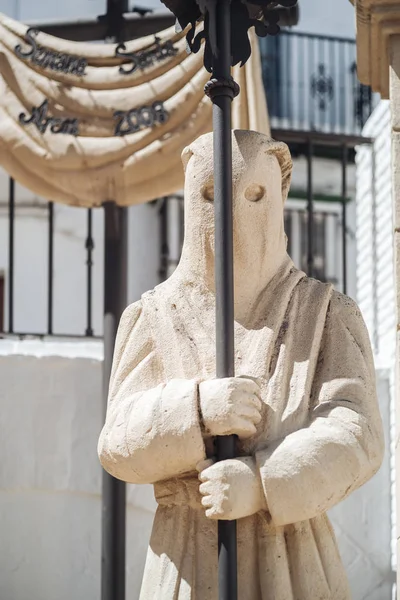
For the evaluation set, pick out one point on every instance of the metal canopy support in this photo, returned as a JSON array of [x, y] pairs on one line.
[[50, 286], [344, 216], [115, 299], [320, 138], [133, 24], [11, 223], [89, 264], [310, 211], [222, 89], [113, 498]]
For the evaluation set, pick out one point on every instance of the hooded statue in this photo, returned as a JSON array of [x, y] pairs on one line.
[[303, 402]]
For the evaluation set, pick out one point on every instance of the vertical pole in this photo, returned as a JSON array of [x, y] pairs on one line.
[[113, 498], [344, 216], [11, 219], [89, 245], [164, 248], [310, 211], [115, 299], [222, 89], [50, 269]]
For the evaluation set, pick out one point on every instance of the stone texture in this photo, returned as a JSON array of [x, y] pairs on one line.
[[397, 273], [318, 430], [377, 22], [395, 117], [395, 110], [394, 75], [396, 179]]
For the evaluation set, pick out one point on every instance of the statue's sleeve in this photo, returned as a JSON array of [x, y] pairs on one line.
[[314, 468], [152, 430]]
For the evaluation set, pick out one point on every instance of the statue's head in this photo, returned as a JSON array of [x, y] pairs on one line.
[[261, 178], [253, 154]]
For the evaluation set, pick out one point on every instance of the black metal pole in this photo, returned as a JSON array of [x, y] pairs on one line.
[[50, 269], [344, 216], [164, 247], [310, 211], [113, 549], [222, 89], [89, 245], [113, 498], [11, 222]]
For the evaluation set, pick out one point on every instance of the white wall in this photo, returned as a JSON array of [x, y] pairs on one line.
[[375, 266], [50, 476], [375, 262], [143, 249]]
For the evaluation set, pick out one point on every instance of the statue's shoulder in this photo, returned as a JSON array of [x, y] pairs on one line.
[[340, 305], [131, 315], [346, 309], [151, 299], [312, 290]]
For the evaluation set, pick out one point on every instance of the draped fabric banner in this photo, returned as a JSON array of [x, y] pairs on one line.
[[84, 123]]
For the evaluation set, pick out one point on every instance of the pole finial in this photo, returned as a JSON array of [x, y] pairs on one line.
[[263, 15]]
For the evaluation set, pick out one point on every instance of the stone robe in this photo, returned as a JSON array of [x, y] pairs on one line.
[[320, 436]]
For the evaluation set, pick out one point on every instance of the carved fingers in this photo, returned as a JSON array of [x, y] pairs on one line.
[[230, 489], [230, 406]]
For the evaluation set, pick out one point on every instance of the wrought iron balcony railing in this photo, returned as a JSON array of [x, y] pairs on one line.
[[312, 85]]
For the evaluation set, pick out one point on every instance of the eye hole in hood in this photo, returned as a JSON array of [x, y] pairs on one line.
[[254, 192]]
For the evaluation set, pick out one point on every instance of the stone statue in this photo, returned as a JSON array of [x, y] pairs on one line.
[[303, 402]]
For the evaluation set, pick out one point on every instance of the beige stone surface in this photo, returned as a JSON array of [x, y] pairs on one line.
[[97, 165], [395, 114], [395, 122], [396, 240], [377, 22], [396, 178], [303, 402], [230, 406]]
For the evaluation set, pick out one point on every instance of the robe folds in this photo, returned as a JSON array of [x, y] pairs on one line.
[[319, 439]]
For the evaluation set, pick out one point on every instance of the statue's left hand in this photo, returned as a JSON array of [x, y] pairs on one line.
[[231, 489]]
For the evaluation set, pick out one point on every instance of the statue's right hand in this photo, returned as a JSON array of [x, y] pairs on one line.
[[230, 406]]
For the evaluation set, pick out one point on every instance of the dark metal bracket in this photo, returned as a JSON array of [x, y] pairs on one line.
[[263, 15]]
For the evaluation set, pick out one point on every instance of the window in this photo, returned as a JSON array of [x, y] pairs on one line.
[[327, 240]]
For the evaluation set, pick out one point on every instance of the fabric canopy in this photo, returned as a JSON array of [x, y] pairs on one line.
[[80, 125]]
